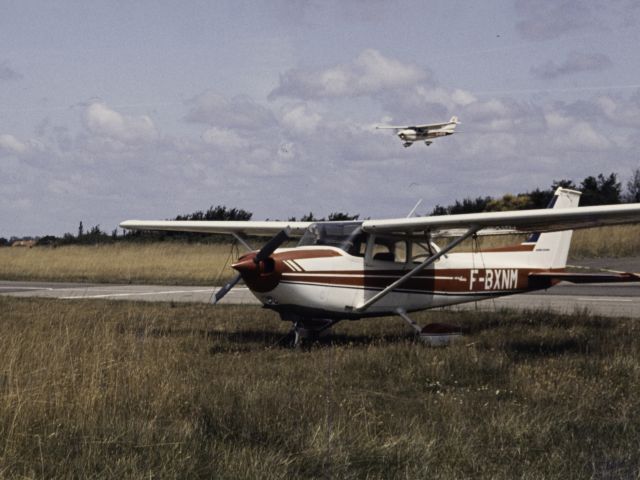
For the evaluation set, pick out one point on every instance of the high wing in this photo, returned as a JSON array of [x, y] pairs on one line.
[[433, 126], [523, 221], [414, 127], [267, 228], [428, 126]]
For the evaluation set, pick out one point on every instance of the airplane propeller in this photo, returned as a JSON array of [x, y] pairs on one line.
[[271, 246], [264, 253], [224, 290]]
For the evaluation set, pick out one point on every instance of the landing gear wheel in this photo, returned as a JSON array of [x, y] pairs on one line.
[[305, 332]]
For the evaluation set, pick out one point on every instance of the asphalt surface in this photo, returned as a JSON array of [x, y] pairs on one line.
[[613, 300], [151, 293]]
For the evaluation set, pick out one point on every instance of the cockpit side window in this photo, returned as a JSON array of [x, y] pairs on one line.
[[400, 250], [421, 250], [388, 250], [347, 236]]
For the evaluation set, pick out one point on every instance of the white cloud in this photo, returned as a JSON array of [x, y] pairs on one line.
[[11, 144], [300, 119], [497, 146], [223, 138], [557, 120], [488, 110], [370, 73], [620, 111], [105, 122], [608, 105], [450, 99], [583, 136], [462, 97]]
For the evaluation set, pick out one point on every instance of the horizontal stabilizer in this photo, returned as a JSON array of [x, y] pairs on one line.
[[548, 279]]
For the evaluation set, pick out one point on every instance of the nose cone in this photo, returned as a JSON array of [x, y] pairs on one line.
[[245, 265], [258, 276]]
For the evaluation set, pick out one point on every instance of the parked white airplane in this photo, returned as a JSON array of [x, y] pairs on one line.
[[417, 133], [356, 269]]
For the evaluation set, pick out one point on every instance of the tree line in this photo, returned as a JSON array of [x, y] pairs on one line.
[[95, 235], [596, 190]]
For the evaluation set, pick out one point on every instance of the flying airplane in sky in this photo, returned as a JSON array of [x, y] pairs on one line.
[[350, 270], [417, 133]]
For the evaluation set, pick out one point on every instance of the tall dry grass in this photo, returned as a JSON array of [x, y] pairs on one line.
[[125, 390], [175, 263], [616, 241], [165, 263]]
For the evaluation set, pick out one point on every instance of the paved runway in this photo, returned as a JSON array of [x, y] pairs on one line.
[[151, 293], [621, 300]]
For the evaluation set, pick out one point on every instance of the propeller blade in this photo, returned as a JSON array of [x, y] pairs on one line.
[[270, 247], [224, 290], [264, 253]]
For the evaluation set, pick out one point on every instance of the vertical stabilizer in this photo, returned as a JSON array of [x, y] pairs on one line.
[[552, 248]]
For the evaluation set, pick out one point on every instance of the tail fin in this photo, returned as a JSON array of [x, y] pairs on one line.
[[552, 248], [454, 119]]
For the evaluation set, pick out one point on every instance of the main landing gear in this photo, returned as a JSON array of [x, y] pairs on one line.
[[306, 331], [434, 334]]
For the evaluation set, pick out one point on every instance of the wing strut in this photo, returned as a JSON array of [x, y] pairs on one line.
[[242, 241], [417, 269]]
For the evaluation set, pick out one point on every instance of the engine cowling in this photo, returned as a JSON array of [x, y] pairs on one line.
[[408, 135]]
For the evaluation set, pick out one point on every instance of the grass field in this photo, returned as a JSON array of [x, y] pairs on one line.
[[127, 390], [163, 263], [198, 264]]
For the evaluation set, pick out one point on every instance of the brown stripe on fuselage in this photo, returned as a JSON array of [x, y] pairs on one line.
[[458, 280], [306, 254]]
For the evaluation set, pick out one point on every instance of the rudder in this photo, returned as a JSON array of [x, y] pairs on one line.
[[552, 248]]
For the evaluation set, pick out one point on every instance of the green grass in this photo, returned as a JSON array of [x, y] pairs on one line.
[[130, 390]]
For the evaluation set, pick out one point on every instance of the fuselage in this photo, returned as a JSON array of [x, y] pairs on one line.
[[328, 281], [417, 135]]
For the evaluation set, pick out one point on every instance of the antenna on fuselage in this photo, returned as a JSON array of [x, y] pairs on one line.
[[413, 210]]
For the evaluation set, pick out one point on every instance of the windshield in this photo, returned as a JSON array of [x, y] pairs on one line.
[[345, 235]]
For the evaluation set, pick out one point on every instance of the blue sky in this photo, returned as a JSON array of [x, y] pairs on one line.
[[116, 110]]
